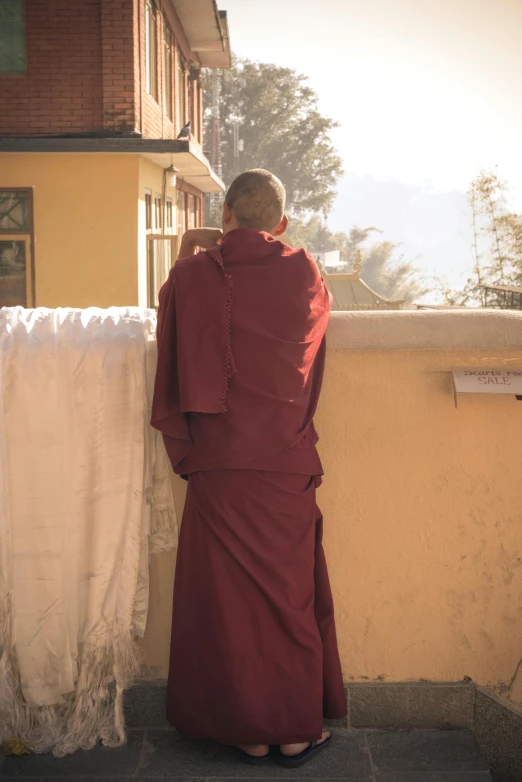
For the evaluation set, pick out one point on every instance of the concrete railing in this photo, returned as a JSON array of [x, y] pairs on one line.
[[422, 502]]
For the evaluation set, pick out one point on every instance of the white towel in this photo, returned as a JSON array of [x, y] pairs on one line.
[[85, 493]]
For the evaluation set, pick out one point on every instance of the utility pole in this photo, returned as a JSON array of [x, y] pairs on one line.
[[215, 150]]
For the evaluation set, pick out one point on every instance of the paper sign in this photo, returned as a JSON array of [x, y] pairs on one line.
[[488, 381]]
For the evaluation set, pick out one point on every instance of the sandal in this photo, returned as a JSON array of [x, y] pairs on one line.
[[295, 761], [250, 760]]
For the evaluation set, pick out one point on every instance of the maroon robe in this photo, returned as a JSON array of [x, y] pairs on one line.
[[241, 348]]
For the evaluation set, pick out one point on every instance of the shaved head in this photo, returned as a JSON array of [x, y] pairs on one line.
[[257, 199]]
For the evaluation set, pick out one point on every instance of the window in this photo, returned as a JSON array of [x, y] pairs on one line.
[[181, 109], [148, 210], [191, 209], [159, 261], [151, 37], [157, 213], [167, 71], [193, 87], [16, 238], [180, 214], [168, 216], [12, 36]]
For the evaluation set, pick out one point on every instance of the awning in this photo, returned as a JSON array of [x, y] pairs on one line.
[[191, 164], [206, 29]]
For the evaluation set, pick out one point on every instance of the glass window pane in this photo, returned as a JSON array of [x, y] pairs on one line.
[[180, 96], [167, 73], [180, 210], [191, 212], [12, 36], [150, 50], [159, 257], [12, 273], [14, 210]]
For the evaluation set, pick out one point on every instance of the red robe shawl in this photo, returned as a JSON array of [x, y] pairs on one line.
[[241, 348]]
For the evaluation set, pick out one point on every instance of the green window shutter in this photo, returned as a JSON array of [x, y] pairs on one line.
[[12, 36]]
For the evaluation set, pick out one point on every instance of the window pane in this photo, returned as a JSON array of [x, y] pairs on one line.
[[159, 256], [180, 214], [12, 36], [14, 211], [167, 73], [180, 95], [148, 211], [12, 273], [191, 212], [150, 50], [157, 213]]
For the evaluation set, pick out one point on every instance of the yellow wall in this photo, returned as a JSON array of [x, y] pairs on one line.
[[423, 527], [85, 222]]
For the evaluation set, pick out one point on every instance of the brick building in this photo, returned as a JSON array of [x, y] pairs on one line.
[[94, 94]]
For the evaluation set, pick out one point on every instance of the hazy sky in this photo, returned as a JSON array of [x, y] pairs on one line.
[[427, 92]]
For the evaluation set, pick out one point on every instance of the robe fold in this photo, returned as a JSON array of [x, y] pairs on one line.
[[241, 350]]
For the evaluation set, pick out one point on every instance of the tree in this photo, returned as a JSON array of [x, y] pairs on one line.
[[496, 243], [388, 274], [269, 118]]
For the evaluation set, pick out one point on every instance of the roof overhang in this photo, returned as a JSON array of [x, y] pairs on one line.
[[206, 29], [191, 164]]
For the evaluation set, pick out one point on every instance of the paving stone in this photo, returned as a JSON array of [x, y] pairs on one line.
[[473, 776], [411, 705], [98, 763], [145, 706], [425, 751], [168, 756], [498, 728], [346, 758]]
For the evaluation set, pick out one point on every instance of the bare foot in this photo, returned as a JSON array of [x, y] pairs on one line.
[[256, 750], [289, 750]]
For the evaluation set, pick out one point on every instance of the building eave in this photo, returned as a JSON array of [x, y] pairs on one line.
[[192, 165], [206, 29]]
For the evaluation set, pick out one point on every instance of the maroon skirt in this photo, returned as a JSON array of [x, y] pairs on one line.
[[254, 656]]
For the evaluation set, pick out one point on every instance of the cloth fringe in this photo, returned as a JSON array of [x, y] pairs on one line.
[[93, 712]]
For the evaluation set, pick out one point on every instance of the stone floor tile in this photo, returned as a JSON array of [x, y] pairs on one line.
[[346, 758], [400, 776], [165, 779], [167, 755], [283, 779], [145, 706], [425, 751], [98, 763]]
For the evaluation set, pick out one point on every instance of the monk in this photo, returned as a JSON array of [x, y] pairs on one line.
[[241, 350]]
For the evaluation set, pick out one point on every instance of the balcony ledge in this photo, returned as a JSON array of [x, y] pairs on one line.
[[193, 167], [426, 330]]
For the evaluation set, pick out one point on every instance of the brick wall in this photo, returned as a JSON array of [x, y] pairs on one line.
[[119, 75], [62, 89], [154, 123], [86, 71]]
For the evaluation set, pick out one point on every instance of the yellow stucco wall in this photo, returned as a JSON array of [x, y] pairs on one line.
[[423, 533], [89, 225], [85, 225]]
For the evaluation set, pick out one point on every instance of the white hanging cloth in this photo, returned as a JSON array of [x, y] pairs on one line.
[[85, 495]]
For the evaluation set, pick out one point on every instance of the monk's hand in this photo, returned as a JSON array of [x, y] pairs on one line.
[[199, 237]]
